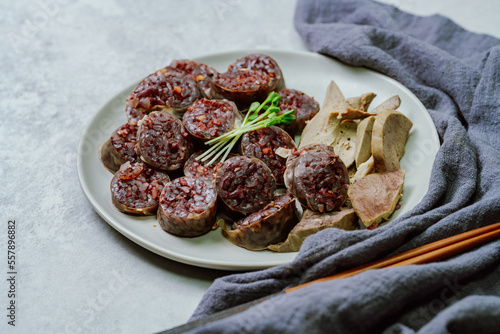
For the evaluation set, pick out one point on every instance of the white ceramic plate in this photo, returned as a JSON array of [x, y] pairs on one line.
[[308, 72]]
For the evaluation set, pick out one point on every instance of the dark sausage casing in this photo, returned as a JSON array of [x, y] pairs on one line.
[[263, 143], [317, 177], [187, 207], [119, 148], [268, 226], [136, 188], [245, 184], [162, 141]]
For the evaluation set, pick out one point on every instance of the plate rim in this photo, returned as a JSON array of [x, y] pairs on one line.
[[188, 259]]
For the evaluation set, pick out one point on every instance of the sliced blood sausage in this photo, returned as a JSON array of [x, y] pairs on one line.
[[262, 63], [208, 119], [267, 226], [199, 72], [245, 184], [243, 86], [163, 90], [317, 178], [306, 107], [134, 115], [119, 148], [294, 154], [201, 169], [162, 141], [136, 188], [263, 143], [187, 207]]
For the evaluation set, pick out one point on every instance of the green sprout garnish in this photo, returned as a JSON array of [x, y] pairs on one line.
[[223, 144]]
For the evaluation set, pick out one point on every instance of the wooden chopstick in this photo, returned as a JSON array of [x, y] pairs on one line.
[[435, 251]]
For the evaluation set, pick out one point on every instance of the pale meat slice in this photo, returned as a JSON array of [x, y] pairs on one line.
[[361, 102], [313, 222], [363, 149], [333, 97], [364, 169], [351, 171], [283, 152], [323, 128], [390, 132], [327, 135], [391, 103], [345, 143], [350, 113], [375, 196]]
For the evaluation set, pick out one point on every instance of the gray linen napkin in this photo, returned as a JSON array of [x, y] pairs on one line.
[[456, 74]]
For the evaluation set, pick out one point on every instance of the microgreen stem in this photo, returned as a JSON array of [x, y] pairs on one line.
[[223, 144], [210, 150]]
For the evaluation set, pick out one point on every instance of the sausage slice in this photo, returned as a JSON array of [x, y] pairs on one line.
[[187, 207], [119, 148], [318, 178], [201, 73], [263, 143], [306, 107], [201, 169], [264, 64], [243, 86], [162, 90], [209, 119], [135, 189], [245, 184], [267, 226], [162, 141]]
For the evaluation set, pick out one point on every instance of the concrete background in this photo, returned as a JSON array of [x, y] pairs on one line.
[[61, 60]]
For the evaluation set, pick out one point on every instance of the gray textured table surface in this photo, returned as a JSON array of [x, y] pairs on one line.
[[61, 60]]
